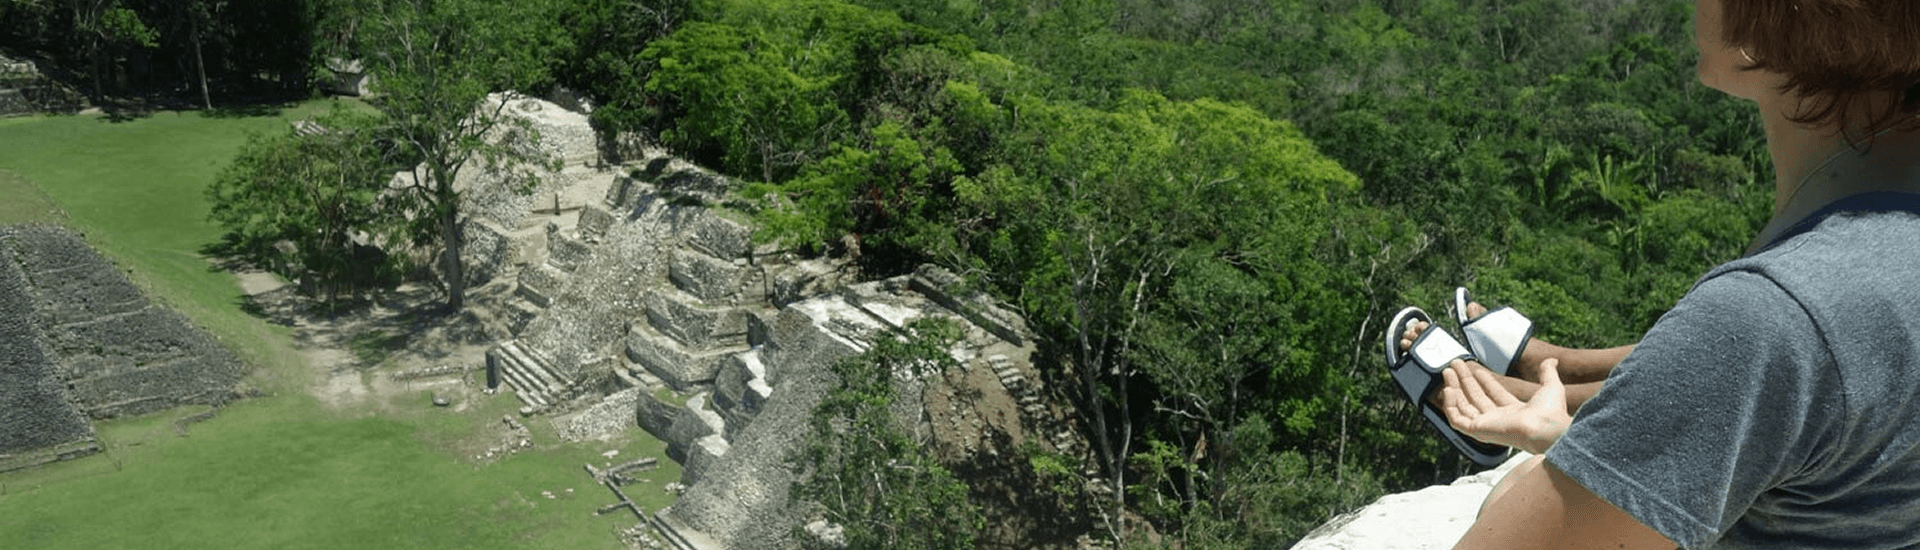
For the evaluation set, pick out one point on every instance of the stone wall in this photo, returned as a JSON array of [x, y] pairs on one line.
[[35, 414], [116, 352]]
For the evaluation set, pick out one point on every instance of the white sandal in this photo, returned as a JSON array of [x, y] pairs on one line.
[[1497, 337]]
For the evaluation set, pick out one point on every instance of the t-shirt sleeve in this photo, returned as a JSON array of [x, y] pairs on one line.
[[1722, 401]]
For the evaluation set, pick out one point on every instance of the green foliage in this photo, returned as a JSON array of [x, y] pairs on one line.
[[308, 207], [864, 470], [437, 62], [606, 36], [1206, 207], [744, 95]]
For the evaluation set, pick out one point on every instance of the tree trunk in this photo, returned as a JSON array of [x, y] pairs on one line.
[[200, 65], [456, 273]]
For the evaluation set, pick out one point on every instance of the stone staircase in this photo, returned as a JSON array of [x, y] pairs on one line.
[[1033, 408], [533, 379]]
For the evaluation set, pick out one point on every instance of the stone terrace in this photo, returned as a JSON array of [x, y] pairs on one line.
[[116, 352], [37, 423]]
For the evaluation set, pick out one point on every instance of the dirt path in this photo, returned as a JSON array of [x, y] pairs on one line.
[[395, 331]]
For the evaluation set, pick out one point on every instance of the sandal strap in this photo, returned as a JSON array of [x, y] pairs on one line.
[[1498, 338]]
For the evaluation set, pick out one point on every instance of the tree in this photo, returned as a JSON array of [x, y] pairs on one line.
[[306, 204], [436, 61], [862, 468]]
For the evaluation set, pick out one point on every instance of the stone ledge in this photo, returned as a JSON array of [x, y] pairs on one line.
[[708, 278], [1433, 518], [676, 314], [715, 235], [667, 359]]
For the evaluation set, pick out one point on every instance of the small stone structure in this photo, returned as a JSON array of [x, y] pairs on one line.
[[349, 78], [24, 90], [82, 339]]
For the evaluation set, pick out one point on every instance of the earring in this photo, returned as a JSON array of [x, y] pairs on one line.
[[1743, 53]]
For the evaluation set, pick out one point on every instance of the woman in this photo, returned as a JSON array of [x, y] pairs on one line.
[[1778, 403]]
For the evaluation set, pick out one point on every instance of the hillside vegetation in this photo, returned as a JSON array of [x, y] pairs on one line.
[[1206, 208]]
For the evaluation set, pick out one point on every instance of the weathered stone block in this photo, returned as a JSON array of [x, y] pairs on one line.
[[594, 222], [567, 254], [701, 456], [706, 277], [696, 184], [540, 284], [695, 421], [940, 286], [656, 416], [670, 361], [699, 327], [801, 280], [741, 390], [716, 235]]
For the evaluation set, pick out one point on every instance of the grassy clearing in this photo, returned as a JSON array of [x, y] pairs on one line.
[[135, 189], [283, 471]]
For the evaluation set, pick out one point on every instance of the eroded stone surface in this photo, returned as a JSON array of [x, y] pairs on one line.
[[1433, 518]]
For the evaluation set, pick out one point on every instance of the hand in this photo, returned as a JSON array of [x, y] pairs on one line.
[[1479, 406]]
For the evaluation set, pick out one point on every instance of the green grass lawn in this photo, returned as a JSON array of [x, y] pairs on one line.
[[135, 189], [281, 471]]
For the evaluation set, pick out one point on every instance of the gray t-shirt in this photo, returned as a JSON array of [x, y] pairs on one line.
[[1778, 404]]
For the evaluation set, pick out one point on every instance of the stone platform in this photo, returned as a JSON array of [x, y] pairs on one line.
[[78, 340]]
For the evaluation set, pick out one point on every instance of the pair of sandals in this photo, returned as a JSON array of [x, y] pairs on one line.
[[1495, 339]]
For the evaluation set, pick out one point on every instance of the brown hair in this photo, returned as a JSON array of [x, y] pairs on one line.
[[1836, 54]]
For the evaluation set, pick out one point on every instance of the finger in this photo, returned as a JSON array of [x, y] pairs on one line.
[[1552, 392], [1495, 390], [1471, 386], [1459, 418], [1459, 411], [1550, 372]]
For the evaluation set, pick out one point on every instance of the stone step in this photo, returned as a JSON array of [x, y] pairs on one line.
[[518, 363], [690, 321], [530, 398], [626, 380], [538, 365], [521, 387]]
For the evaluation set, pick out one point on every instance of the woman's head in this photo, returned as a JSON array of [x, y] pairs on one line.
[[1854, 63]]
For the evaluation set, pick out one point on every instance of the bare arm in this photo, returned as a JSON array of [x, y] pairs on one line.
[[1540, 507]]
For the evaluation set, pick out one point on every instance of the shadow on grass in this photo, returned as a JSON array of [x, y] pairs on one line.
[[247, 110]]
